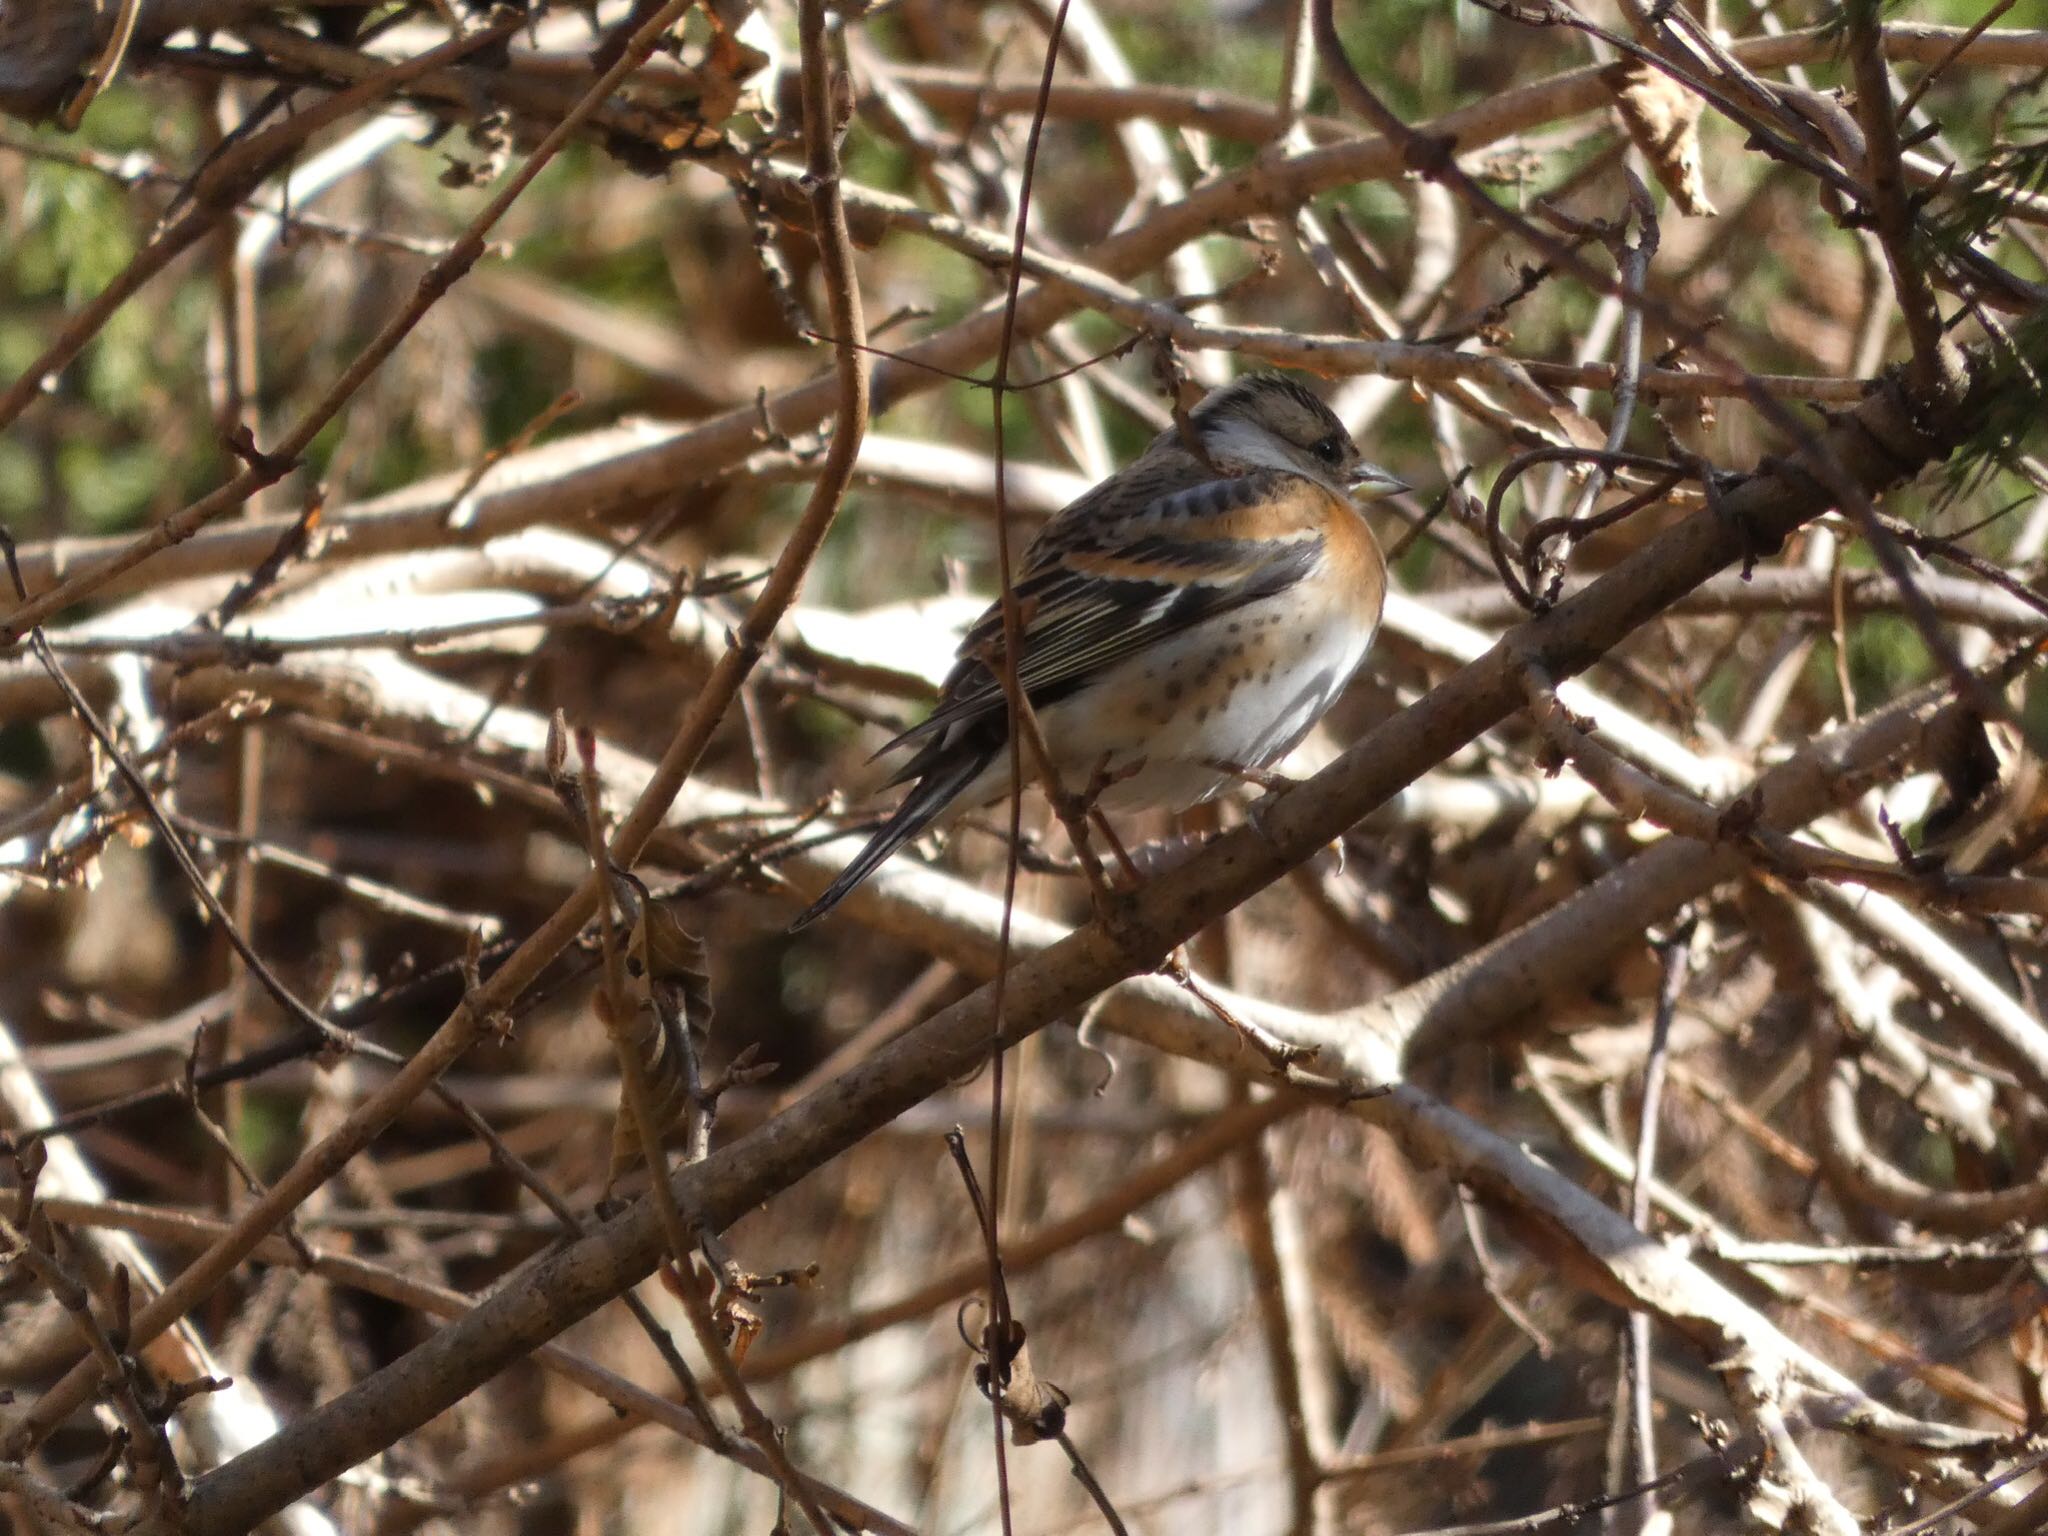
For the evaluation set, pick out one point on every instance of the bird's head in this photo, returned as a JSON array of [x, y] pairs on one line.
[[1269, 421]]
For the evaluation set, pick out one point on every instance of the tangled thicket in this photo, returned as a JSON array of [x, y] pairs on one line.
[[478, 484]]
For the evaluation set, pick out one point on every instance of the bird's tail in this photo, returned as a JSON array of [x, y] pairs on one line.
[[934, 792]]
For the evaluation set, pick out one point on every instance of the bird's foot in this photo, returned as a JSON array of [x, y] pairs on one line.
[[1272, 783], [1116, 911], [1265, 778]]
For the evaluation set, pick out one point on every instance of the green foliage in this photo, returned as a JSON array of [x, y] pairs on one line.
[[1980, 198], [2015, 393], [72, 232], [108, 485], [1887, 655], [78, 238], [23, 487]]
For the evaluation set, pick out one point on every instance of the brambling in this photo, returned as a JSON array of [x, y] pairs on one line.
[[1182, 625]]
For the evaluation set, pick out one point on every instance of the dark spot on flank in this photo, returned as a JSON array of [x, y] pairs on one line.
[[1236, 627], [1173, 692]]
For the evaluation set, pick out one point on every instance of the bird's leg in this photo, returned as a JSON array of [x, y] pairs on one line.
[[1126, 865], [1074, 814], [1272, 783], [1098, 783], [1112, 905]]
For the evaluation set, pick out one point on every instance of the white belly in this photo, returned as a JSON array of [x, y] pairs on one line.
[[1157, 725]]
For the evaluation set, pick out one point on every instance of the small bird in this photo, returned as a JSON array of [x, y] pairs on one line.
[[1181, 625]]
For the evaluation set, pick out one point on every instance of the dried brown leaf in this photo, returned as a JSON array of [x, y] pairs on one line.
[[671, 992], [1035, 1408], [1663, 118]]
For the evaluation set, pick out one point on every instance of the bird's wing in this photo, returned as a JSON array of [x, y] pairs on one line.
[[1106, 587]]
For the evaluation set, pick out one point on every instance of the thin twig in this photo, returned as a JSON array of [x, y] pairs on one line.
[[1000, 1322]]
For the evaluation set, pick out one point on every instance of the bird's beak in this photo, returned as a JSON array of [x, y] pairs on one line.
[[1372, 482]]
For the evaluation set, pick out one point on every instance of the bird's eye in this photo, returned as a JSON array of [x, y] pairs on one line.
[[1331, 449]]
